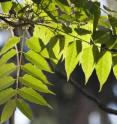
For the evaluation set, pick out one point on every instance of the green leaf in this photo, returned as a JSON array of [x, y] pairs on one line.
[[102, 37], [6, 94], [112, 20], [36, 72], [103, 67], [115, 66], [34, 83], [6, 6], [72, 57], [9, 44], [24, 108], [33, 44], [87, 62], [6, 82], [38, 60], [8, 110], [7, 56], [85, 33], [33, 96], [7, 69], [43, 32], [96, 13], [56, 46]]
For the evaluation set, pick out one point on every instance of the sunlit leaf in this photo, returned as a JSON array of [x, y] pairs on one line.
[[6, 6], [36, 72], [6, 94], [38, 60], [115, 66], [33, 43], [9, 44], [8, 110], [87, 62], [33, 96], [34, 83], [43, 32], [72, 56], [24, 108], [103, 67], [7, 56], [7, 69], [6, 82]]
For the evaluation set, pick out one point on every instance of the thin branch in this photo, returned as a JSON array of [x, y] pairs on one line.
[[18, 67], [18, 63], [88, 94]]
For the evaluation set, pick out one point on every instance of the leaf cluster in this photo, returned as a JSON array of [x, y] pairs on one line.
[[71, 31]]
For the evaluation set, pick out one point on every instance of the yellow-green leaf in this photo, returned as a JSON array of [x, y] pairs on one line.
[[24, 108], [33, 44], [36, 72], [6, 94], [87, 62], [7, 69], [72, 56], [32, 96], [8, 110], [7, 56], [103, 67], [6, 6], [6, 82], [43, 32], [38, 60], [115, 66], [34, 83], [9, 44]]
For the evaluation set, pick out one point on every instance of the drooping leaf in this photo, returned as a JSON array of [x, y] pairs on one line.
[[38, 60], [6, 94], [36, 72], [8, 110], [103, 67], [87, 62], [34, 83], [6, 6], [7, 56], [24, 108], [72, 56], [9, 44], [115, 66], [6, 82], [33, 44], [32, 96], [7, 69]]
